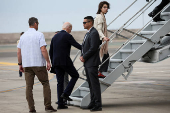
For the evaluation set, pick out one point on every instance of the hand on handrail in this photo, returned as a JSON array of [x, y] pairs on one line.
[[106, 39], [147, 0]]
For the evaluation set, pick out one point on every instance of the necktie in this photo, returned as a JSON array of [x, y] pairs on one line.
[[84, 41], [85, 37]]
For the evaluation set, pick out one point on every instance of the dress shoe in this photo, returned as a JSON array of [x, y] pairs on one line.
[[158, 19], [64, 96], [65, 102], [100, 75], [90, 106], [50, 109], [154, 12], [96, 108], [62, 107], [32, 111], [151, 14]]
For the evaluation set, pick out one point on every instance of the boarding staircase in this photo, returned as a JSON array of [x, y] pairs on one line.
[[151, 39]]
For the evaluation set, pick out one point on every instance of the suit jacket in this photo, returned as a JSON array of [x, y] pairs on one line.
[[90, 48], [60, 49]]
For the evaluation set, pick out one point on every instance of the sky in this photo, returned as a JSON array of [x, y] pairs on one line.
[[51, 14]]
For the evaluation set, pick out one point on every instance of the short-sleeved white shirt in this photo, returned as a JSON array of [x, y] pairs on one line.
[[30, 44]]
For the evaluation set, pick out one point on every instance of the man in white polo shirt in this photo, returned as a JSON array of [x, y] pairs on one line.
[[32, 58]]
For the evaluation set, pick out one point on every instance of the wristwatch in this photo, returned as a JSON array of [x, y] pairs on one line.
[[19, 63]]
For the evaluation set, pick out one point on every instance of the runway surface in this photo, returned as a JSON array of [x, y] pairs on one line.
[[146, 90]]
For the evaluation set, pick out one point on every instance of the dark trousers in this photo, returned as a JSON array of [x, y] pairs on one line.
[[94, 85], [66, 80], [161, 6], [60, 71], [104, 67]]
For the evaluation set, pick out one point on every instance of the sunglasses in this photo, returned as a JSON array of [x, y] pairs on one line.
[[85, 22]]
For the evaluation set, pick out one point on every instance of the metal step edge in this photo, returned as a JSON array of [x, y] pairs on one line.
[[76, 98], [110, 70], [159, 23], [101, 82], [116, 60], [74, 103], [106, 73], [84, 89], [127, 51], [137, 41], [165, 13], [147, 32]]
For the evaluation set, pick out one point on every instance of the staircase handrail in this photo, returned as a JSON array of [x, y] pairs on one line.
[[109, 24], [133, 35], [119, 30], [121, 13], [141, 13]]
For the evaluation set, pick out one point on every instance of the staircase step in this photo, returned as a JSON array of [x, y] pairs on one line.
[[137, 41], [105, 73], [120, 62], [116, 60], [76, 98], [159, 23], [165, 13], [147, 32], [84, 89], [101, 82], [110, 70], [127, 51]]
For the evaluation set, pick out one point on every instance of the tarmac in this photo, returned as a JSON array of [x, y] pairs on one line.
[[147, 89]]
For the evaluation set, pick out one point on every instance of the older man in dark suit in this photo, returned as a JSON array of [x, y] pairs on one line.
[[60, 57], [90, 57]]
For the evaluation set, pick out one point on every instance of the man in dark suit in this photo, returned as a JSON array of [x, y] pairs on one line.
[[158, 9], [60, 57], [66, 78], [90, 57]]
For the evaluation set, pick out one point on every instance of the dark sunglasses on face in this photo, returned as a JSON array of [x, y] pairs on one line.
[[85, 22]]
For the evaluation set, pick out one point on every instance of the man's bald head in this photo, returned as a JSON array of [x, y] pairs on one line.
[[67, 26]]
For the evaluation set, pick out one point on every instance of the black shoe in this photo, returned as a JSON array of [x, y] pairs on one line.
[[62, 107], [65, 102], [90, 106], [50, 109], [32, 111], [151, 14], [154, 12], [64, 96], [158, 19], [96, 108]]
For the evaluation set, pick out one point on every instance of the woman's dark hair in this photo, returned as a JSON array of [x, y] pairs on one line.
[[101, 5], [21, 33]]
